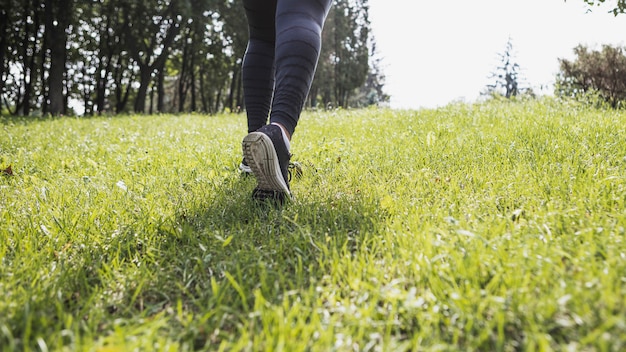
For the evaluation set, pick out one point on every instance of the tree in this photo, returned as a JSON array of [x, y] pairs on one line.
[[33, 51], [24, 51], [57, 20], [372, 91], [594, 71], [4, 35], [102, 57], [150, 30], [507, 76], [344, 59], [619, 7], [182, 55], [235, 28]]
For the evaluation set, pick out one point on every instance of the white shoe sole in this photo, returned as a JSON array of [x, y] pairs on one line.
[[258, 150], [245, 169]]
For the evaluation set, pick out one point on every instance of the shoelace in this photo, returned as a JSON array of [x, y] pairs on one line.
[[294, 170]]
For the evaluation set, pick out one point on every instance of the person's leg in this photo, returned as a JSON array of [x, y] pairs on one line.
[[299, 26], [258, 62], [298, 40]]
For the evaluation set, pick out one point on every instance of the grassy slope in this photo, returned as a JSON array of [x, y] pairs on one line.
[[495, 226]]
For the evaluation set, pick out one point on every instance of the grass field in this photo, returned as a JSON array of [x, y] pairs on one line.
[[496, 226]]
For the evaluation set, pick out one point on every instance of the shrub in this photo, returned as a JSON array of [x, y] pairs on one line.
[[600, 74]]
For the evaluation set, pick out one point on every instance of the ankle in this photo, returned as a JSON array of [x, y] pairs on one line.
[[286, 136], [285, 132]]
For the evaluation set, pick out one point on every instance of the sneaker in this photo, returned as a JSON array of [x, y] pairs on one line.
[[244, 167], [267, 155], [295, 169]]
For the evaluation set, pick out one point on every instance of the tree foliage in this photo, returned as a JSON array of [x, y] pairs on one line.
[[619, 6], [348, 73], [601, 72], [113, 56]]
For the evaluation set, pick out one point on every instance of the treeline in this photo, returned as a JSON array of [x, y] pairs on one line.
[[149, 56]]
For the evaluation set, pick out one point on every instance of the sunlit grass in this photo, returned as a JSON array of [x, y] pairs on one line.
[[497, 226]]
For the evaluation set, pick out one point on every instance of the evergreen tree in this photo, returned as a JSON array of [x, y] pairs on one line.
[[507, 77]]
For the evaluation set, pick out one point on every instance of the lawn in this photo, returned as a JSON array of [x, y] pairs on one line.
[[492, 226]]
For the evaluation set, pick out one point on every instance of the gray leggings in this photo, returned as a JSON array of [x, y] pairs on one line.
[[280, 61]]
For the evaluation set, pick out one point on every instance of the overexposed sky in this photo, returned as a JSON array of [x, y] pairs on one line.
[[434, 52]]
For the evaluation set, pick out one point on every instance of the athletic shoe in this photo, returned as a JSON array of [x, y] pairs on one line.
[[266, 153], [295, 169], [244, 167]]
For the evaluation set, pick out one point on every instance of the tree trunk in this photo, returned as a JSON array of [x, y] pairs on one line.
[[145, 73], [28, 55], [145, 67], [102, 78], [160, 90], [203, 95], [86, 94], [101, 87], [122, 98], [4, 19], [182, 93], [57, 40], [239, 94], [193, 83], [43, 60], [217, 100], [121, 92], [151, 108], [233, 87]]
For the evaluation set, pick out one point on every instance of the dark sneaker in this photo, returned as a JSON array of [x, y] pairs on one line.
[[266, 153], [295, 169]]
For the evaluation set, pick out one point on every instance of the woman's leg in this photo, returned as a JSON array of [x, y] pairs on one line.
[[258, 62], [299, 26], [297, 32]]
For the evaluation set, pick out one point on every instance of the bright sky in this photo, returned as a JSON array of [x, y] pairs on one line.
[[435, 52]]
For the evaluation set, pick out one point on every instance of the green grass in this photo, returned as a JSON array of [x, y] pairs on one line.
[[496, 226]]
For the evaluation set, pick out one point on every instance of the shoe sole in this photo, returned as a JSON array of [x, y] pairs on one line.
[[245, 169], [259, 151]]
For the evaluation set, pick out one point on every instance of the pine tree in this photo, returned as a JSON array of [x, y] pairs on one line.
[[508, 80]]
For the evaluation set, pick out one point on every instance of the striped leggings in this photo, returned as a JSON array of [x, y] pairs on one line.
[[281, 57]]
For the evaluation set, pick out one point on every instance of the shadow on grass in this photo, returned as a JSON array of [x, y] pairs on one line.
[[200, 269], [271, 249], [227, 251]]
